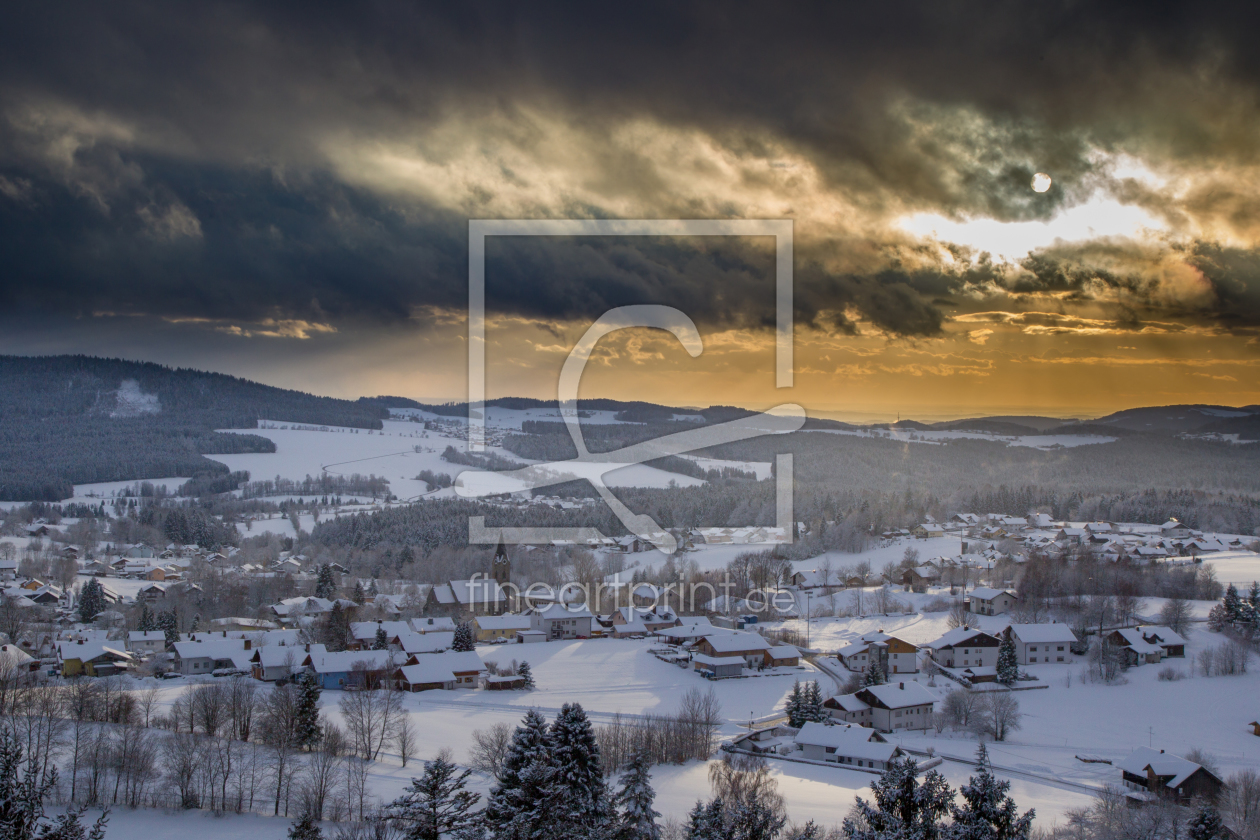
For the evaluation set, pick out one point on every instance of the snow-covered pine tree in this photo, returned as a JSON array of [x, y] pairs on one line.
[[1218, 618], [793, 707], [987, 813], [1232, 604], [168, 623], [530, 743], [874, 675], [437, 804], [1008, 660], [579, 776], [305, 828], [196, 623], [1206, 824], [707, 822], [523, 670], [463, 638], [307, 727], [904, 807], [358, 595], [814, 710], [335, 628], [637, 820], [325, 584], [91, 601], [754, 820], [146, 623], [381, 642], [539, 806]]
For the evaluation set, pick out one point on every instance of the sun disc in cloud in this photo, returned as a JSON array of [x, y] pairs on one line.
[[1041, 182]]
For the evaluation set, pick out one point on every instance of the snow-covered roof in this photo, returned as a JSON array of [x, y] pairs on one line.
[[854, 649], [850, 702], [507, 621], [956, 637], [848, 740], [345, 661], [89, 650], [231, 649], [737, 642], [899, 695], [1160, 635], [12, 655], [366, 630], [784, 652], [273, 656], [1164, 765], [1034, 633], [425, 672], [443, 594], [693, 631], [985, 593], [432, 625], [146, 636], [562, 611], [481, 591], [412, 642]]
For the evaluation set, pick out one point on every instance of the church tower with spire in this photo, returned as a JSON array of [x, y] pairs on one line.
[[501, 568]]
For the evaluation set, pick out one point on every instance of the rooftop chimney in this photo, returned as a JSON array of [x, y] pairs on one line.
[[902, 686]]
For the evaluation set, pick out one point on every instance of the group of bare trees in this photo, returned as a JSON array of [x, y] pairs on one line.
[[689, 733], [991, 714], [231, 745]]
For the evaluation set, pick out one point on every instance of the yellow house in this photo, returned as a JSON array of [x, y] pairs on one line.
[[487, 628], [92, 659]]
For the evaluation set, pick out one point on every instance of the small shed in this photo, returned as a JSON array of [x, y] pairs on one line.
[[718, 666], [510, 682]]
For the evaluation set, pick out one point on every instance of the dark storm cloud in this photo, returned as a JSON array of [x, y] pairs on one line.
[[173, 159]]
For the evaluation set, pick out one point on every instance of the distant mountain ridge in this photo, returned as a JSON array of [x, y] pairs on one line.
[[1173, 419], [68, 420]]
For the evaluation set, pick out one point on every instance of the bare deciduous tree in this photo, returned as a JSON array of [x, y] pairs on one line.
[[997, 715], [489, 748]]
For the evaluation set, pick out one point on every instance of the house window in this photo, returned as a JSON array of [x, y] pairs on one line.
[[831, 749], [1060, 658], [1060, 648], [1032, 659]]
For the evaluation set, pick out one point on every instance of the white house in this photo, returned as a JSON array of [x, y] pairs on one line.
[[848, 708], [1038, 643], [964, 647], [209, 655], [452, 669], [899, 705], [556, 621], [854, 746], [985, 601], [276, 662], [146, 641]]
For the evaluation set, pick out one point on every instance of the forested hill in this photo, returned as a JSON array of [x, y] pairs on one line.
[[68, 420]]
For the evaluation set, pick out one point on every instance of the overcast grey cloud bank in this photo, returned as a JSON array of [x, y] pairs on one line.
[[283, 169]]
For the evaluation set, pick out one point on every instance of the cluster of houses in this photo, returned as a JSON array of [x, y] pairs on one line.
[[1039, 533]]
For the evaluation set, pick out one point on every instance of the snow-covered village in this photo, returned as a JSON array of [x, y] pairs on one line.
[[656, 421]]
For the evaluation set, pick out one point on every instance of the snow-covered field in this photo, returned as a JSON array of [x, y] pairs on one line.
[[611, 676], [1237, 567]]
